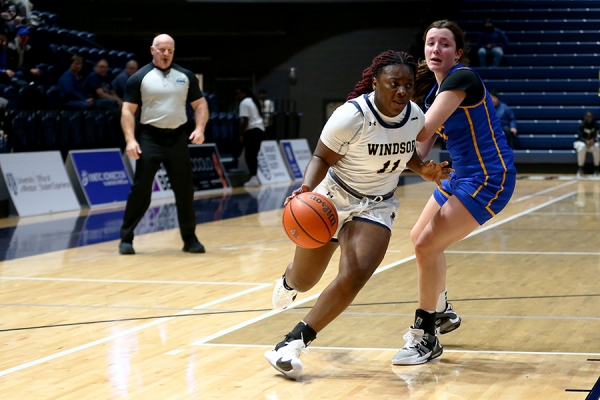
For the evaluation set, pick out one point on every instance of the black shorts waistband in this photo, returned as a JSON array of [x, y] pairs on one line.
[[356, 194], [160, 131]]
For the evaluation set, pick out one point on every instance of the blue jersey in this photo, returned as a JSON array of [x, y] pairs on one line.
[[484, 177], [475, 139]]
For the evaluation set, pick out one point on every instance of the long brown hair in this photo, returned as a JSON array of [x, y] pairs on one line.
[[424, 77]]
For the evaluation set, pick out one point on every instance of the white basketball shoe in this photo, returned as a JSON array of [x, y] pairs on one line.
[[420, 347], [282, 297]]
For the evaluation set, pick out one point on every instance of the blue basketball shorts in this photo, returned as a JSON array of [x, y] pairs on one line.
[[483, 198]]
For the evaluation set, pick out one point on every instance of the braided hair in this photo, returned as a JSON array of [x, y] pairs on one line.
[[384, 59], [425, 77]]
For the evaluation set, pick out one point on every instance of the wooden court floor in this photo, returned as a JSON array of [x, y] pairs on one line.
[[86, 323]]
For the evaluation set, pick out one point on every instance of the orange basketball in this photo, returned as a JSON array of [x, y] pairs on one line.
[[310, 220]]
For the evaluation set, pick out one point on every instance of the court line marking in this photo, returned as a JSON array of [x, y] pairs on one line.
[[124, 333], [23, 278], [549, 353], [377, 271], [542, 192], [558, 317], [251, 321], [543, 253]]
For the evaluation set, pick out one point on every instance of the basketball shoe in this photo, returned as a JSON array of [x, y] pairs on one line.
[[285, 357], [446, 321], [420, 347], [282, 297]]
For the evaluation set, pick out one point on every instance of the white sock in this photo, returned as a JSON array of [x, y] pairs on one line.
[[442, 299]]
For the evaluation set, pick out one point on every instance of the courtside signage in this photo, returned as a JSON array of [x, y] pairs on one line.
[[271, 167], [37, 183], [297, 155], [161, 187], [207, 168], [99, 176]]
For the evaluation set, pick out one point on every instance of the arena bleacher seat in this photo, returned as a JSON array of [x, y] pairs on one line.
[[549, 73]]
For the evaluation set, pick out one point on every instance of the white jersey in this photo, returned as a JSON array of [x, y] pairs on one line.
[[376, 148]]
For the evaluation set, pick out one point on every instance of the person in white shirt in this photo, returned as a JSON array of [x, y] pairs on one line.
[[363, 148], [252, 130], [268, 111]]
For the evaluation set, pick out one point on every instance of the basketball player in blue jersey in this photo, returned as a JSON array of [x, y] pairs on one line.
[[365, 145], [460, 111]]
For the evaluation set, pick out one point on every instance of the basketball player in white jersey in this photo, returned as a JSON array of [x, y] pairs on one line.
[[365, 145]]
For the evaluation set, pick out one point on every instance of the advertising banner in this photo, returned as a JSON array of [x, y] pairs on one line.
[[271, 167], [209, 173], [37, 183], [99, 176], [297, 154]]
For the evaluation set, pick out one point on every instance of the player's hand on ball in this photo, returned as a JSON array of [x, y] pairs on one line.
[[302, 189]]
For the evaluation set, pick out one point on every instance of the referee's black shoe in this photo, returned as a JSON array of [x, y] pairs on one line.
[[194, 247], [126, 248]]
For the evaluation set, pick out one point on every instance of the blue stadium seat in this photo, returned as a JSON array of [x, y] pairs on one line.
[[551, 98], [542, 85], [552, 35], [115, 71], [84, 52], [64, 125], [53, 20], [63, 37], [552, 112], [49, 129], [548, 126], [503, 4], [533, 24], [578, 59], [122, 59], [52, 75], [538, 72], [53, 98], [76, 133], [94, 54], [545, 141], [89, 128], [539, 13], [113, 58], [551, 47], [11, 94], [101, 132], [18, 135]]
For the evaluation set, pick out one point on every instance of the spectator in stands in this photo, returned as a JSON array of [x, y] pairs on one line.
[[491, 41], [268, 111], [252, 130], [14, 13], [70, 85], [97, 85], [588, 137], [118, 84], [507, 119], [22, 59], [6, 74]]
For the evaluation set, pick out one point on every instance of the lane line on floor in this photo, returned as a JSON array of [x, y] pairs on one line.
[[124, 333]]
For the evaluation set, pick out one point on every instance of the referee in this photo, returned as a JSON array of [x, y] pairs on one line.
[[162, 89]]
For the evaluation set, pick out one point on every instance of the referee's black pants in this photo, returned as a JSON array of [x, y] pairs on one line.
[[169, 146]]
